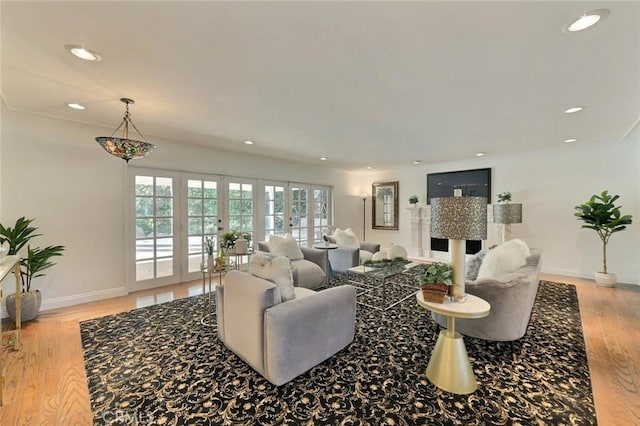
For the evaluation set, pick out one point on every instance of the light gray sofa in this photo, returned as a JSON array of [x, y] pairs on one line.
[[282, 340], [511, 297], [345, 257], [308, 272]]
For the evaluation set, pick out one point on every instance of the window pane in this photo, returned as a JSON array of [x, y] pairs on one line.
[[144, 270], [144, 185], [247, 207], [195, 226], [210, 225], [144, 228], [164, 207], [210, 207], [210, 189], [194, 188], [234, 207], [164, 187], [164, 227], [195, 244], [247, 191], [144, 249], [164, 247], [164, 267], [144, 206], [194, 207], [234, 222]]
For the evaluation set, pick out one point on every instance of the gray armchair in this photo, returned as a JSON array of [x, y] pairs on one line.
[[511, 297], [308, 272], [345, 257], [282, 340]]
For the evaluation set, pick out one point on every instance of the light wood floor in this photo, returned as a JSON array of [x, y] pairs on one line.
[[46, 382]]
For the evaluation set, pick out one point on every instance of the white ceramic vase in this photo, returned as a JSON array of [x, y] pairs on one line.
[[605, 280]]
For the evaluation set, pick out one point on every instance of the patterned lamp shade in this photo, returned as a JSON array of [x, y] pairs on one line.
[[459, 218], [507, 213]]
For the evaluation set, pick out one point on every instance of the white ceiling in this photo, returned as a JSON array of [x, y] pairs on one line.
[[364, 83]]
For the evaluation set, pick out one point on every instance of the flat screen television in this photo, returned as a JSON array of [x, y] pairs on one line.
[[472, 183]]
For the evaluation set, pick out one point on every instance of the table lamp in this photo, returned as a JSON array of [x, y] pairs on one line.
[[505, 215], [459, 219]]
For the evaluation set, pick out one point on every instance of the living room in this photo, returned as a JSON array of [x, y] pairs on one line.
[[52, 170]]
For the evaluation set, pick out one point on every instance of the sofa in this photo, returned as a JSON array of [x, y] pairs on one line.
[[511, 296], [281, 340], [308, 272]]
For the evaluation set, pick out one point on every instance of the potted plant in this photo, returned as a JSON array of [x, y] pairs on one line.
[[37, 260], [413, 199], [603, 216], [436, 280], [504, 197]]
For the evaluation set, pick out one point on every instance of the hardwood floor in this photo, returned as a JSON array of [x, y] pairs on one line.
[[46, 382]]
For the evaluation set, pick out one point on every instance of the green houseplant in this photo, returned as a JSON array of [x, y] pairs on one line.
[[413, 199], [32, 266], [603, 216], [436, 280]]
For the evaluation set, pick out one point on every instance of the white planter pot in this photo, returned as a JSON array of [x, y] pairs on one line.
[[605, 280], [29, 305]]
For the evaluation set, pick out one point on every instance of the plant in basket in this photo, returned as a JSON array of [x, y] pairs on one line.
[[435, 281]]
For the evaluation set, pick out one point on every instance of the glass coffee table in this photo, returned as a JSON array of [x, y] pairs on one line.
[[373, 285]]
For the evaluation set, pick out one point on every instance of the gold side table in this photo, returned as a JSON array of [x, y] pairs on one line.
[[209, 308], [7, 265], [449, 367]]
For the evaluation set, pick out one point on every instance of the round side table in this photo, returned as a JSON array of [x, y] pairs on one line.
[[449, 367], [326, 246]]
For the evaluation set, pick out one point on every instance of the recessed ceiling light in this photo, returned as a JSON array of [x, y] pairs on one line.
[[248, 142], [417, 162], [323, 158], [75, 106], [82, 53], [570, 140], [479, 154], [587, 20], [573, 109]]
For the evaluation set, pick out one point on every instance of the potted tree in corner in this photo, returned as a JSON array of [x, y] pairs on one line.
[[603, 216], [32, 266]]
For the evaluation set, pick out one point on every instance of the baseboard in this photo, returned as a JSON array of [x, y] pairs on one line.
[[77, 299]]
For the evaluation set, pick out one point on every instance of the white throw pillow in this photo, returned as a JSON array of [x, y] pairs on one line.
[[285, 246], [346, 238], [507, 257], [397, 251], [277, 270]]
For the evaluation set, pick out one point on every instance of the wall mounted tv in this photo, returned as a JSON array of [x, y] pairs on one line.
[[473, 183]]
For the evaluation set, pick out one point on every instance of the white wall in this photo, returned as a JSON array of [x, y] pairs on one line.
[[54, 171], [549, 183]]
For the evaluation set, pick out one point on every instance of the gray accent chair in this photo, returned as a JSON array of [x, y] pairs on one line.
[[282, 340], [511, 297], [345, 257], [308, 272]]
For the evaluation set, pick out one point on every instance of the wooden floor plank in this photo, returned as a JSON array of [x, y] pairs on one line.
[[46, 380]]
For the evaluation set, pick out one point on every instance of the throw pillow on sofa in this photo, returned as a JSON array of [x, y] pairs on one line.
[[473, 264], [285, 246], [346, 238], [275, 269], [507, 257]]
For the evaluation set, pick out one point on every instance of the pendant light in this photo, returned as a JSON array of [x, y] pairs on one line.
[[125, 148]]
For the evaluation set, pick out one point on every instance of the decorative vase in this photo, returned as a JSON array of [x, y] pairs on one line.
[[210, 261], [605, 280], [241, 245], [30, 302]]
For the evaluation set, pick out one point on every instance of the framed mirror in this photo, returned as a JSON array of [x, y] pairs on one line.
[[385, 205]]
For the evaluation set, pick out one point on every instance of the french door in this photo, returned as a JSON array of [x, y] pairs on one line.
[[155, 228]]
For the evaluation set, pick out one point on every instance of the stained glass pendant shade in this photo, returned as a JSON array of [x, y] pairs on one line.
[[125, 148]]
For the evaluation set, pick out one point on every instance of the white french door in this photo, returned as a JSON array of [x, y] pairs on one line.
[[274, 204], [240, 214], [204, 207], [155, 227]]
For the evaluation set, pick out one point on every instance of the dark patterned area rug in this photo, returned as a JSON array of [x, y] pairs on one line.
[[159, 365]]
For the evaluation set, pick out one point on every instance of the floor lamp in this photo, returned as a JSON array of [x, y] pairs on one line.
[[505, 215], [458, 219], [364, 216]]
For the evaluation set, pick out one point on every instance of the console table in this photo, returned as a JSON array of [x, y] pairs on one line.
[[7, 265], [449, 367]]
